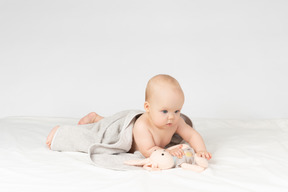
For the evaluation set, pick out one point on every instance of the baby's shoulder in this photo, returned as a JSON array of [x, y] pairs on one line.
[[141, 121], [182, 124]]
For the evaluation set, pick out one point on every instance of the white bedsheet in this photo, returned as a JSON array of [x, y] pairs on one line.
[[248, 155]]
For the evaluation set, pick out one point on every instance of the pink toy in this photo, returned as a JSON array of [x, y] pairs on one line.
[[161, 159]]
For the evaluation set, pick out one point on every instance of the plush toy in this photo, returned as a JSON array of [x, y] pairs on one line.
[[161, 159]]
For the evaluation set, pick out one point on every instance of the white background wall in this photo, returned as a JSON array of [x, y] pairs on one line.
[[67, 58]]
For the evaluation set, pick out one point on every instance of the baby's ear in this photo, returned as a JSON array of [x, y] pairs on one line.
[[147, 106]]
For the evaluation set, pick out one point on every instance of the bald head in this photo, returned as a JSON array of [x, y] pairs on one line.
[[161, 82]]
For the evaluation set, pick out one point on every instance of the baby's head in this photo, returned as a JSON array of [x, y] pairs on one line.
[[164, 99]]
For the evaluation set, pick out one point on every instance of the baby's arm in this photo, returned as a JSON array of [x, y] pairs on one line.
[[144, 140], [191, 136]]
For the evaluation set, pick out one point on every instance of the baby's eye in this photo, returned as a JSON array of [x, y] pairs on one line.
[[164, 111], [177, 111]]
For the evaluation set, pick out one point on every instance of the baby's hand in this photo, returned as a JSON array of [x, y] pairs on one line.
[[204, 154], [176, 151]]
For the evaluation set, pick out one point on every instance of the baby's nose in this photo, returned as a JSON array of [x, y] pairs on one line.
[[171, 116]]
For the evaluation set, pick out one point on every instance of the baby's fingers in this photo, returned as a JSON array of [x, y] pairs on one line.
[[181, 153], [208, 156], [178, 153]]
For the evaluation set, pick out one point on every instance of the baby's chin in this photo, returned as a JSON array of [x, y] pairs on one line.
[[169, 125], [165, 126]]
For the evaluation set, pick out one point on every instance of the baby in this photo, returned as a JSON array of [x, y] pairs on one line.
[[154, 129]]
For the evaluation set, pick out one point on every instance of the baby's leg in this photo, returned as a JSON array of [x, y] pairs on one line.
[[90, 118], [51, 136]]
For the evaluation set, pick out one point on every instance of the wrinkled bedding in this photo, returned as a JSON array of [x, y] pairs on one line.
[[248, 155]]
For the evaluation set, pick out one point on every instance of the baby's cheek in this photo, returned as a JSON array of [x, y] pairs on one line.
[[159, 122]]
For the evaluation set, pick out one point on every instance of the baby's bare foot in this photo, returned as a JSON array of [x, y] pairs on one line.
[[90, 118], [51, 136]]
